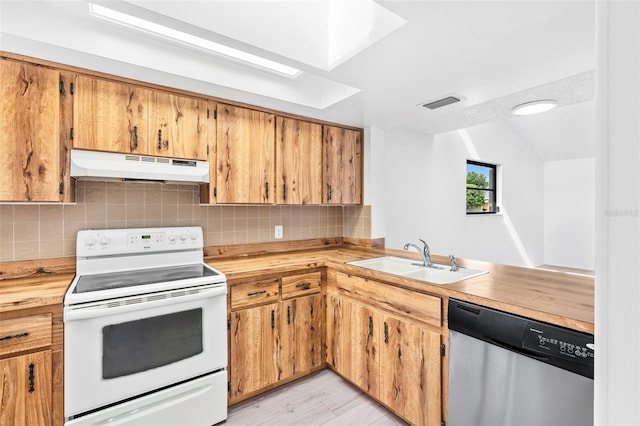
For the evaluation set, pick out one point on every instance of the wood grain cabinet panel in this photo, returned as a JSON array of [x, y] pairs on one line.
[[245, 154], [111, 116], [254, 349], [410, 371], [301, 325], [25, 394], [352, 343], [34, 103], [26, 333], [179, 126], [343, 167], [298, 162]]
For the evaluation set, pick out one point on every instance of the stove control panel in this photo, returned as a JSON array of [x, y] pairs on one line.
[[137, 240]]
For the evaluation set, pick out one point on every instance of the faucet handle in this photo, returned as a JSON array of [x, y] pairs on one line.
[[452, 260]]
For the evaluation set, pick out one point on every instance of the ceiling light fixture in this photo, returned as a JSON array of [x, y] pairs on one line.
[[191, 40], [534, 107]]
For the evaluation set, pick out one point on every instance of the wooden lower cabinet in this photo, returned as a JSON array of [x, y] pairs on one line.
[[25, 394], [275, 341], [410, 371], [393, 359], [254, 344]]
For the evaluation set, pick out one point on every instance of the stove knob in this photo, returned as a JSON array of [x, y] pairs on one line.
[[183, 237], [90, 241], [104, 241], [192, 235]]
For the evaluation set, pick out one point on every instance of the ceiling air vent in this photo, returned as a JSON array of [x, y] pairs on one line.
[[439, 103]]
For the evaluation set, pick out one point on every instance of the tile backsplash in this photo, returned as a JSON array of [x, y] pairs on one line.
[[38, 231]]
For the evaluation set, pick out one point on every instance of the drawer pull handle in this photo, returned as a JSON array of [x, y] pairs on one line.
[[288, 314], [32, 378], [370, 326], [386, 333], [256, 293], [304, 286], [273, 319], [15, 336]]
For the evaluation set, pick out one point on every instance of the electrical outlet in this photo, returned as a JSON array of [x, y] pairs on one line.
[[278, 232]]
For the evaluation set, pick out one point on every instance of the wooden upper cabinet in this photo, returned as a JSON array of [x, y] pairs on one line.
[[179, 126], [34, 103], [245, 153], [343, 166], [298, 162], [110, 116]]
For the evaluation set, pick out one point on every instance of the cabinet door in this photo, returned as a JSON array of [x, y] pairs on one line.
[[245, 153], [410, 371], [30, 145], [254, 349], [352, 343], [298, 162], [342, 166], [110, 116], [301, 331], [26, 389], [179, 126]]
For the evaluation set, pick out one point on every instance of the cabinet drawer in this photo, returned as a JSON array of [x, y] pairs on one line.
[[26, 333], [418, 306], [301, 285], [254, 293]]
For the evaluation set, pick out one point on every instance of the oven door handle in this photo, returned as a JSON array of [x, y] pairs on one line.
[[108, 308]]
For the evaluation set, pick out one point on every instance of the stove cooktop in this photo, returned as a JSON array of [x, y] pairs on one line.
[[115, 280]]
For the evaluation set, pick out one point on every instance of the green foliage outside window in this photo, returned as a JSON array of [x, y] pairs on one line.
[[475, 181]]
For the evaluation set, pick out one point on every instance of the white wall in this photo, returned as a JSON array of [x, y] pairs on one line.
[[617, 334], [425, 194], [405, 173], [569, 217]]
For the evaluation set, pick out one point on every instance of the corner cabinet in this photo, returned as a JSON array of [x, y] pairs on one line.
[[126, 118], [394, 358], [245, 150], [343, 166], [36, 109], [276, 333]]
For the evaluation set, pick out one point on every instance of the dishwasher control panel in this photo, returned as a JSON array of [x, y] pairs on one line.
[[558, 342]]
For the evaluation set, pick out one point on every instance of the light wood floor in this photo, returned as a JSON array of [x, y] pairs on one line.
[[323, 398]]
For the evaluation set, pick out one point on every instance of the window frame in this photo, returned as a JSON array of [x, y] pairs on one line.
[[492, 186]]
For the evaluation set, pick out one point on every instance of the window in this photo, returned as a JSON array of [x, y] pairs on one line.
[[481, 188]]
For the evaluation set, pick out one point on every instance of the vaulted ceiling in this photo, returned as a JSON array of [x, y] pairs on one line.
[[363, 63]]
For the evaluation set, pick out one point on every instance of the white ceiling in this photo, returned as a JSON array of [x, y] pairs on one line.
[[495, 54]]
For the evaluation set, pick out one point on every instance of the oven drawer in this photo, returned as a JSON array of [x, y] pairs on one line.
[[301, 285], [255, 293], [25, 333]]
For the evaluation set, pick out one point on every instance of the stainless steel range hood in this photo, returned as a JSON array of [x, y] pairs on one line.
[[94, 165]]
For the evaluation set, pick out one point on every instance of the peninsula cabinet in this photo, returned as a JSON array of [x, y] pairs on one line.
[[394, 358], [298, 161], [36, 109], [126, 118], [343, 167], [245, 152], [276, 329]]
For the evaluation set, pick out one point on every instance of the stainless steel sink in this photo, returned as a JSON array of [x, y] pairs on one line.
[[409, 268]]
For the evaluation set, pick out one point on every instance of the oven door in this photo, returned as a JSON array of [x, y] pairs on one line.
[[116, 350]]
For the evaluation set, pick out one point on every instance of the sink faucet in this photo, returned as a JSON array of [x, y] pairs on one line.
[[424, 251]]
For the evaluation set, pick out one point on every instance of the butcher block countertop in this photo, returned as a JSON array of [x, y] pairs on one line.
[[559, 298]]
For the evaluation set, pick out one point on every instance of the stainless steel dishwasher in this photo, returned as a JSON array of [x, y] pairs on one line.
[[510, 370]]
